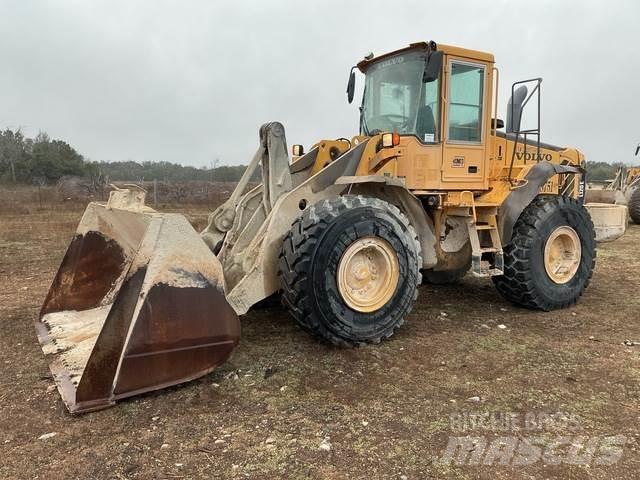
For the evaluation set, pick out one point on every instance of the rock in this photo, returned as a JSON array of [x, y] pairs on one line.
[[163, 446], [283, 388], [444, 314], [270, 440], [155, 419], [51, 388], [629, 343], [232, 376], [484, 325], [325, 445], [365, 423], [47, 436], [502, 309], [473, 399], [219, 441], [404, 477], [178, 464], [215, 385], [269, 371], [443, 363], [573, 314], [502, 326]]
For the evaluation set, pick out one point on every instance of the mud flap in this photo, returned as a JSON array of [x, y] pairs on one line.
[[138, 304]]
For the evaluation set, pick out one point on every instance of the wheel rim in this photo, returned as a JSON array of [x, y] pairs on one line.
[[368, 274], [562, 254]]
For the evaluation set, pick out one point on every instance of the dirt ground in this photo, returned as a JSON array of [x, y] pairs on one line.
[[286, 406]]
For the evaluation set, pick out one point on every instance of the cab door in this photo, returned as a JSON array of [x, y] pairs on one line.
[[466, 105]]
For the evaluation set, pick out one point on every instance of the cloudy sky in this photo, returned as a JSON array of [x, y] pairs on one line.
[[191, 81]]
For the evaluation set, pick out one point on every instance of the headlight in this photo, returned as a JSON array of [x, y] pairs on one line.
[[390, 139]]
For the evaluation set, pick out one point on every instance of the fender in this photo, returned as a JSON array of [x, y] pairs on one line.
[[522, 196], [393, 190]]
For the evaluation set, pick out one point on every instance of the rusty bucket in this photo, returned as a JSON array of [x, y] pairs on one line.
[[138, 304]]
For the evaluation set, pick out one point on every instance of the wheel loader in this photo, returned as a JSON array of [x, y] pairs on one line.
[[433, 186], [622, 190]]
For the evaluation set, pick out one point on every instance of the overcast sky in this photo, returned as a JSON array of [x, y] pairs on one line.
[[191, 81]]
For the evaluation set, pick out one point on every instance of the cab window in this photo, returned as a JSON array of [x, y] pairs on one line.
[[466, 93]]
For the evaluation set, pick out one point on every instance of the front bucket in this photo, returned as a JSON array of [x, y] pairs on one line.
[[138, 304]]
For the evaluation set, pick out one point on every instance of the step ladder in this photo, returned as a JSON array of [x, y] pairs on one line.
[[487, 258]]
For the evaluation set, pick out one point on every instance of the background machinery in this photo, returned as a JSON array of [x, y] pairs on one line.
[[431, 187], [622, 190]]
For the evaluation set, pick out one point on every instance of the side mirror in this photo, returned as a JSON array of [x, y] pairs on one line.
[[497, 123], [433, 67], [351, 85]]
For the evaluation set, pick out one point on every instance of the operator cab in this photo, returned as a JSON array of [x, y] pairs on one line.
[[438, 98]]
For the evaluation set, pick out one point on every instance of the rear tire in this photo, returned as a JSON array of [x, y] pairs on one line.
[[311, 263], [527, 279], [634, 206]]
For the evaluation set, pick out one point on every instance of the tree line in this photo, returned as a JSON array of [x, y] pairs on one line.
[[41, 160], [44, 161]]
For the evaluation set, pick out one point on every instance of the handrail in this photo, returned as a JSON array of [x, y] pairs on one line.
[[473, 203], [532, 131]]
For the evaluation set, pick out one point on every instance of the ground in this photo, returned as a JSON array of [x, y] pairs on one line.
[[286, 406]]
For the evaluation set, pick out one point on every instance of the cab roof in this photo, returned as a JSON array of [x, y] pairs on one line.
[[447, 49]]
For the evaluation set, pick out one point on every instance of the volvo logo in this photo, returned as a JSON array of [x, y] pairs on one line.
[[533, 156]]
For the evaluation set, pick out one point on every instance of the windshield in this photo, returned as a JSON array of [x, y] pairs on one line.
[[395, 98]]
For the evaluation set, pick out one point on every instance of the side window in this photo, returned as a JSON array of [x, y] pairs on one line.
[[465, 102]]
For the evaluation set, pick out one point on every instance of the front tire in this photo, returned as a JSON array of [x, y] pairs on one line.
[[349, 270], [551, 255]]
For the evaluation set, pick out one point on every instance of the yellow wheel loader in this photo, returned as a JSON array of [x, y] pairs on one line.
[[433, 186], [622, 190]]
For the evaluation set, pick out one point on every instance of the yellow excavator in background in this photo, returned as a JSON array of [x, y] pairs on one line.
[[433, 186]]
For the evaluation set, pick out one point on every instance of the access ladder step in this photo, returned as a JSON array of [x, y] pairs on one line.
[[485, 268], [487, 259]]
